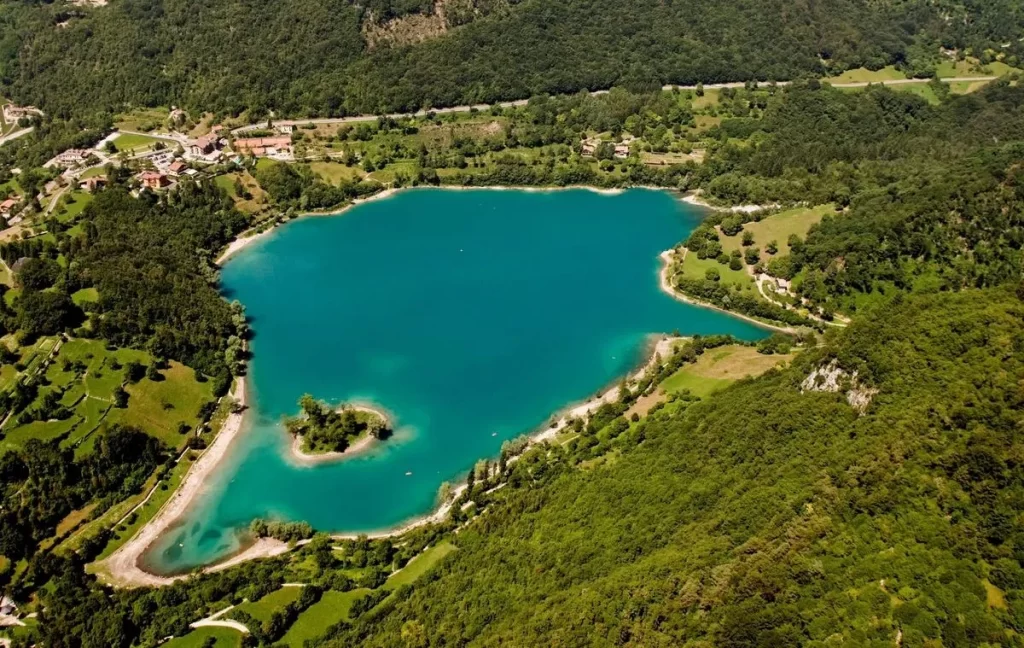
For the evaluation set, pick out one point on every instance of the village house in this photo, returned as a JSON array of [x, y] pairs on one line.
[[589, 146], [153, 180], [69, 158], [93, 183], [204, 145], [7, 207], [622, 148], [264, 146], [285, 129], [177, 167]]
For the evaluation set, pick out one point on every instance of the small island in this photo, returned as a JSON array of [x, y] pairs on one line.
[[323, 433]]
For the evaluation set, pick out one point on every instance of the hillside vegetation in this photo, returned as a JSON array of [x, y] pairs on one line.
[[305, 57], [770, 515]]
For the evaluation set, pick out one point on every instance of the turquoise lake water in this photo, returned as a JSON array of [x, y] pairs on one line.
[[472, 316]]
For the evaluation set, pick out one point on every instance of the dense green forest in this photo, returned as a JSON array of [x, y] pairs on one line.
[[311, 58], [770, 515]]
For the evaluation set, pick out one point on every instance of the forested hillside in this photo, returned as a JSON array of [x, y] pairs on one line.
[[311, 58], [771, 514]]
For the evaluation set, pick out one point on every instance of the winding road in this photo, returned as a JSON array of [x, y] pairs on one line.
[[522, 102]]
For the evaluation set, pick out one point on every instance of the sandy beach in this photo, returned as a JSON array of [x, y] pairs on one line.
[[123, 565], [695, 199]]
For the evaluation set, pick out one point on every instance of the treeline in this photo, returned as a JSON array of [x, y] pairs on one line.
[[769, 514], [307, 58]]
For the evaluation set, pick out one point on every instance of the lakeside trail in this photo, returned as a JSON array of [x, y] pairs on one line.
[[300, 457], [666, 286], [122, 567]]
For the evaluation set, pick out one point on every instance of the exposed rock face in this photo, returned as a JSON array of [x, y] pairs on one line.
[[833, 378]]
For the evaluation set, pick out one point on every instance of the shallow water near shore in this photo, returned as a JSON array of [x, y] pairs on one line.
[[471, 316]]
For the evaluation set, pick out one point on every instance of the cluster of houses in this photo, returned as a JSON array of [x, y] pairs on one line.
[[590, 146]]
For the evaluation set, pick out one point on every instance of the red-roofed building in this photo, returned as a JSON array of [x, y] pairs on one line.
[[153, 179]]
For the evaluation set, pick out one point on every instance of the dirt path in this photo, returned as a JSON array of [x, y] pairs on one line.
[[215, 620]]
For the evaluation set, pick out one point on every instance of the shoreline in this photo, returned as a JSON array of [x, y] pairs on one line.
[[666, 287], [693, 198], [122, 567], [363, 445], [245, 240], [659, 347]]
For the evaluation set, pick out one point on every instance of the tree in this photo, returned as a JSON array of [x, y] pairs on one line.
[[120, 397], [772, 247], [712, 274], [752, 255], [748, 238]]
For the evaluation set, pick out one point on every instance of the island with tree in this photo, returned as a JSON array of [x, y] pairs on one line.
[[321, 432]]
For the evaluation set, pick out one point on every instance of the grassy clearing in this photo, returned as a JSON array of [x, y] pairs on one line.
[[694, 268], [720, 367], [85, 296], [994, 596], [77, 201], [276, 601], [142, 119], [198, 638], [158, 407], [923, 90], [778, 227], [314, 622], [335, 172], [864, 75], [131, 142], [419, 565], [966, 87]]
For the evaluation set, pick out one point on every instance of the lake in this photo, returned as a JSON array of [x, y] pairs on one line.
[[472, 316]]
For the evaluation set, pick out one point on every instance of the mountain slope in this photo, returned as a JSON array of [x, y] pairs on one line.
[[306, 57], [771, 517]]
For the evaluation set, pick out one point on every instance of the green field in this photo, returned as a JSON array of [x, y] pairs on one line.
[[223, 637], [85, 296], [864, 75], [76, 202], [335, 172], [778, 228], [719, 368], [419, 565], [314, 622], [142, 119], [694, 268], [276, 601], [87, 373], [131, 142]]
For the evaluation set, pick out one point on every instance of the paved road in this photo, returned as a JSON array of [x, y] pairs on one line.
[[15, 135], [522, 102]]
